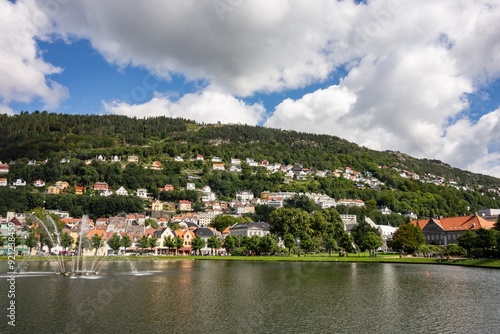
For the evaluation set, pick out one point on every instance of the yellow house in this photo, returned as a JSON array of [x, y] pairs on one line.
[[61, 185], [53, 190], [156, 205]]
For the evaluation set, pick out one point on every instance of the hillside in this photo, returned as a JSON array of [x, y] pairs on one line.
[[47, 138]]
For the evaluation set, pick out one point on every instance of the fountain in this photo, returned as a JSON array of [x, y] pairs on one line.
[[79, 265]]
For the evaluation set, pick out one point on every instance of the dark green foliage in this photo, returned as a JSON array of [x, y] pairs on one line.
[[407, 238]]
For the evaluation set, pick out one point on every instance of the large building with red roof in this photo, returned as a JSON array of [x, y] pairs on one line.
[[444, 231]]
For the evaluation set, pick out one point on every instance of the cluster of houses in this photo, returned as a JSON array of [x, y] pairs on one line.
[[291, 172], [187, 226], [135, 227]]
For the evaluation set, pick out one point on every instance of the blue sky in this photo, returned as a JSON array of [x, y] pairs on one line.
[[413, 76]]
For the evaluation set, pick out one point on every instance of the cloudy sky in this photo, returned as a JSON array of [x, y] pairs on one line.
[[420, 77]]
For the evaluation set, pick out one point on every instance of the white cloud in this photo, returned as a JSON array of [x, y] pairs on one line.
[[209, 106], [409, 64], [23, 72]]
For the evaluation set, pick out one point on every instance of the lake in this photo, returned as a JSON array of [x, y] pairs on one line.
[[185, 296]]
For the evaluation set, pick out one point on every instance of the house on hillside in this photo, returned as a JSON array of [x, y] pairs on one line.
[[4, 168], [122, 191], [142, 193], [79, 190], [19, 183], [444, 231], [3, 182]]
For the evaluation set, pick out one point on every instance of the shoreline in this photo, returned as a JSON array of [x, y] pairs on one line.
[[479, 263]]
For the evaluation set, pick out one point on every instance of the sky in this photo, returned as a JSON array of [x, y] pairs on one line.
[[416, 76]]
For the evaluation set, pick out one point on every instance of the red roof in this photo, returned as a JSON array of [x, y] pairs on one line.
[[461, 223]]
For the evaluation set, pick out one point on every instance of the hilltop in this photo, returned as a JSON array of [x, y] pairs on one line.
[[84, 149]]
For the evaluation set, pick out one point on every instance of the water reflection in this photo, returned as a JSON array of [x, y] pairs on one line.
[[265, 297]]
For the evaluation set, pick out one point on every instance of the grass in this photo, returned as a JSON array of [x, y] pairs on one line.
[[484, 263]]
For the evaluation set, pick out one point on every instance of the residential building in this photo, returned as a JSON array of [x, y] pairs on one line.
[[184, 205], [157, 165], [385, 210], [199, 157], [142, 193], [168, 187], [156, 205], [244, 195], [19, 183], [105, 193], [53, 190], [351, 202], [122, 191], [218, 166], [206, 233], [161, 235], [216, 159], [101, 186], [133, 158], [4, 168], [3, 182], [62, 185], [178, 158], [39, 183], [79, 190], [190, 186]]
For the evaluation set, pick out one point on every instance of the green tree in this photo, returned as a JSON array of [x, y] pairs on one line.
[[66, 241], [372, 241], [267, 244], [197, 244], [467, 241], [221, 222], [252, 244], [115, 242], [307, 244], [360, 233], [168, 242], [289, 242], [31, 241], [143, 242], [151, 222], [287, 220], [152, 241], [214, 243], [497, 224], [125, 242], [230, 243], [96, 242], [485, 239], [330, 244], [178, 242], [302, 202], [408, 237]]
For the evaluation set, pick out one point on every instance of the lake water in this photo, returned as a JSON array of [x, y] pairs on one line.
[[186, 296]]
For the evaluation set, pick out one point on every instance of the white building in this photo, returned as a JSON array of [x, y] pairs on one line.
[[244, 195], [143, 193], [250, 229]]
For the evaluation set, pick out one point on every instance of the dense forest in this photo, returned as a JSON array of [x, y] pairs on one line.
[[48, 138]]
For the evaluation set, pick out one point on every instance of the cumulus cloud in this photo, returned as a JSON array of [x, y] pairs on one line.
[[407, 66], [24, 75], [209, 106], [240, 46]]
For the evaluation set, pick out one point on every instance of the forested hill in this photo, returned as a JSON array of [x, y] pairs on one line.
[[42, 135]]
